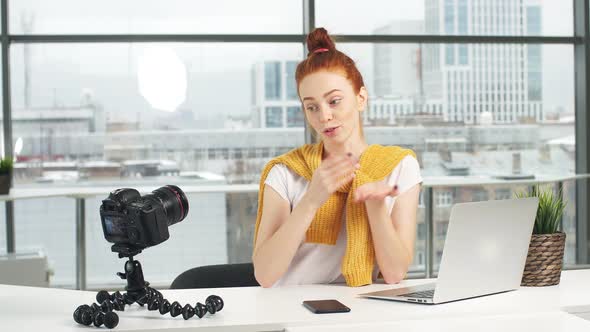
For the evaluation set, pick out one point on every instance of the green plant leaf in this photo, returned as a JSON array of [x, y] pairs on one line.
[[5, 165], [550, 211]]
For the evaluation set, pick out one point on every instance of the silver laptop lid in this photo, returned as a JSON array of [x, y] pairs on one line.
[[485, 248]]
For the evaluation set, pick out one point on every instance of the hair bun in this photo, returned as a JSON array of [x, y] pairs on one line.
[[319, 39]]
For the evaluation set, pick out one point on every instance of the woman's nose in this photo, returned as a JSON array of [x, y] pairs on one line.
[[325, 115]]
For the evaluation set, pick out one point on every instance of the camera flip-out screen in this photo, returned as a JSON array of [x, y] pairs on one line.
[[114, 226]]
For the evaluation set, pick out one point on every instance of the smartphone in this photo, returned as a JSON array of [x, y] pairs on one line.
[[325, 306]]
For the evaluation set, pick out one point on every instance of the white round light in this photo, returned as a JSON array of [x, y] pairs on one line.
[[162, 78], [18, 146]]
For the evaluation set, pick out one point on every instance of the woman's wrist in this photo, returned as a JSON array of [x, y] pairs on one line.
[[375, 207], [310, 201], [375, 203]]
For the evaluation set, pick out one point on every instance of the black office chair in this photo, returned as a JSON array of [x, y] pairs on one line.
[[217, 276]]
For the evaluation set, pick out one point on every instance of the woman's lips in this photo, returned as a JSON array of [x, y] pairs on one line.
[[331, 131]]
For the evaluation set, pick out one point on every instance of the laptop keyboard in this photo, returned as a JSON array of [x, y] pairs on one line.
[[427, 294]]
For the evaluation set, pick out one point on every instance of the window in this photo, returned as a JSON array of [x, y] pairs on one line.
[[533, 19], [463, 55], [455, 90], [534, 74], [272, 80], [420, 258], [441, 229], [274, 117], [115, 135], [421, 231], [450, 55], [462, 19], [155, 17], [295, 117], [444, 198], [449, 14], [480, 195], [290, 81], [487, 17], [503, 194], [237, 103]]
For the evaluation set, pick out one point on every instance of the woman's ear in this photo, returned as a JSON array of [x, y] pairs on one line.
[[362, 98]]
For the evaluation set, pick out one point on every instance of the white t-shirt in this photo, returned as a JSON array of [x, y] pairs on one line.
[[315, 263]]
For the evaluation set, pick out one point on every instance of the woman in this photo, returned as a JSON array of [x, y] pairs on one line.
[[339, 210]]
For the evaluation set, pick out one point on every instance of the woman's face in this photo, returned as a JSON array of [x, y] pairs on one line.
[[331, 106]]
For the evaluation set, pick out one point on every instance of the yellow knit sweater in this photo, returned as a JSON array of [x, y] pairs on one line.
[[377, 162]]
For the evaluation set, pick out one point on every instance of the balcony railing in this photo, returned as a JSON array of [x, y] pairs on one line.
[[81, 194]]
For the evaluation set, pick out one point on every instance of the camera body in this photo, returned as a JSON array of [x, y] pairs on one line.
[[134, 222]]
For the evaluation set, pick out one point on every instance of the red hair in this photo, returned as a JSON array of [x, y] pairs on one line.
[[323, 56]]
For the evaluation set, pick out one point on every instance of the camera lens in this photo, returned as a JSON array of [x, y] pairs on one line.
[[174, 201]]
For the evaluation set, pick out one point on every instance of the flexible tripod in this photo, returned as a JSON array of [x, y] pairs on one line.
[[138, 291]]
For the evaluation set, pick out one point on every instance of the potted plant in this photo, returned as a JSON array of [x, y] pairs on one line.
[[545, 257], [5, 175]]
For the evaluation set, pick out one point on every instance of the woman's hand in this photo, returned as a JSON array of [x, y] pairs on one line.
[[374, 191], [333, 173]]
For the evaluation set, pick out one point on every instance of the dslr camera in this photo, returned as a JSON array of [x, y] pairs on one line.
[[134, 222]]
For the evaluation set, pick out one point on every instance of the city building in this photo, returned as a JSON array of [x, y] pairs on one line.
[[505, 80], [397, 69], [240, 154], [461, 81], [275, 101]]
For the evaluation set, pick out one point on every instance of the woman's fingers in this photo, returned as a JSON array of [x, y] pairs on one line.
[[394, 191], [340, 177], [337, 171], [375, 191], [362, 192], [345, 178]]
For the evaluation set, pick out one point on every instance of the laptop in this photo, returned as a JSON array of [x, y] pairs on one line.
[[484, 253]]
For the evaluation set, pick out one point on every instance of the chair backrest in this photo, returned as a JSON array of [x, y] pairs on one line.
[[216, 276]]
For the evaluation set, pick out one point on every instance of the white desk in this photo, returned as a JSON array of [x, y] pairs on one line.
[[539, 322], [258, 309]]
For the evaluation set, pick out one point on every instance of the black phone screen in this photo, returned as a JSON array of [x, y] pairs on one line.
[[325, 306]]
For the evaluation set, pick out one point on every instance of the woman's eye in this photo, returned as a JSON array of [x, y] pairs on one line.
[[311, 108], [335, 101]]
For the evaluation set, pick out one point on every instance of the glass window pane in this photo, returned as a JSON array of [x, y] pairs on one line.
[[204, 237], [152, 16], [272, 80], [48, 225], [442, 210], [2, 204], [274, 117], [95, 115], [295, 117], [2, 228], [508, 110], [292, 93], [569, 222], [448, 17], [513, 103]]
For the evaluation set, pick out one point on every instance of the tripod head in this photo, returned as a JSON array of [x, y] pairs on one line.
[[126, 250], [136, 285]]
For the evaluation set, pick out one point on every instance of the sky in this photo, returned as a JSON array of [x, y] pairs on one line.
[[231, 16], [61, 71]]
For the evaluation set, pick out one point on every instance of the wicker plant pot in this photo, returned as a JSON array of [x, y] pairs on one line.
[[5, 181], [544, 260]]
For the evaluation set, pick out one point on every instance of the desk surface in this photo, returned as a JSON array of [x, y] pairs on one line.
[[255, 308], [539, 322]]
